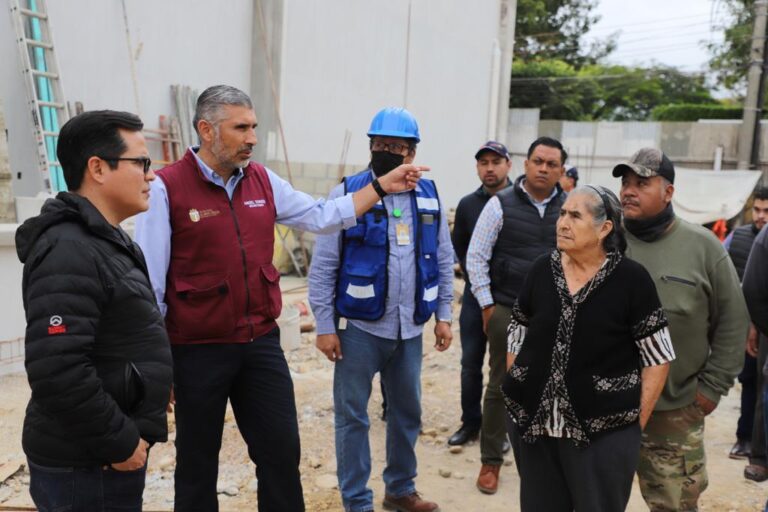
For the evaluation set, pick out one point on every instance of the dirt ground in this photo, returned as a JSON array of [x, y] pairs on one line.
[[444, 477]]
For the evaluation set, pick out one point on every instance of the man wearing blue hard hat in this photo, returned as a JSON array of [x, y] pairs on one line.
[[372, 288]]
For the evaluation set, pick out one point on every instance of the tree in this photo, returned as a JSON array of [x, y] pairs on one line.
[[730, 59], [554, 29], [555, 87], [601, 92]]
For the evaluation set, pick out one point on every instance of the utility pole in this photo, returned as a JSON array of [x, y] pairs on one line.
[[749, 135]]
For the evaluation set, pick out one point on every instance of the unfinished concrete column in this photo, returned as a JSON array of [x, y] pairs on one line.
[[262, 76], [7, 213]]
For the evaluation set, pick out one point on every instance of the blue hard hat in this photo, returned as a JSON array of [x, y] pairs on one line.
[[394, 122]]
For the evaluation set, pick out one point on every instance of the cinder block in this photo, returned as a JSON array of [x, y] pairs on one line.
[[314, 170], [304, 184]]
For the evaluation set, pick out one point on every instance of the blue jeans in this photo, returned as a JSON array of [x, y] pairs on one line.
[[399, 363], [473, 344], [91, 489]]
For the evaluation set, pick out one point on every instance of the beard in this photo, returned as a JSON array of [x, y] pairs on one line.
[[492, 181], [230, 160]]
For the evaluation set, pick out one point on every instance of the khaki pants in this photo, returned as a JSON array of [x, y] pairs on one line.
[[494, 429], [672, 468]]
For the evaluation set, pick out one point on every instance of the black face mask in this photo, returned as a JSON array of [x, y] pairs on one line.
[[383, 161]]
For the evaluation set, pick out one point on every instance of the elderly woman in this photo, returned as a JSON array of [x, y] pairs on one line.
[[589, 354]]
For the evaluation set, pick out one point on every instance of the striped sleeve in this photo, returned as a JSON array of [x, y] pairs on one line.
[[516, 330], [656, 348]]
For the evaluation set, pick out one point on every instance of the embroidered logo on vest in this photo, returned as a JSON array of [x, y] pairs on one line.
[[255, 203], [196, 216]]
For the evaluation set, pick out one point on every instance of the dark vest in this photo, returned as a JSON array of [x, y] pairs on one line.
[[524, 236], [361, 288], [221, 285], [741, 244]]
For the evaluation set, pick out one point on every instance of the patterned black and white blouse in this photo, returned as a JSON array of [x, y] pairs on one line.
[[579, 357]]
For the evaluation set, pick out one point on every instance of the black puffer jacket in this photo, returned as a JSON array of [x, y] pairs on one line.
[[98, 358]]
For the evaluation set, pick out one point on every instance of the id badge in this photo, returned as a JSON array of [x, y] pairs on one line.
[[403, 234]]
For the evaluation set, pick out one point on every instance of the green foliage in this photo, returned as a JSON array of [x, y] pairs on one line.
[[689, 112], [600, 92], [553, 29], [730, 59]]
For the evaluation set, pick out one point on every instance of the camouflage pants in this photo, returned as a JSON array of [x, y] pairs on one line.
[[672, 469]]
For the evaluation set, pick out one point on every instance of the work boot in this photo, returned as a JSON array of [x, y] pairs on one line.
[[741, 449], [410, 503], [756, 473], [488, 480], [464, 435]]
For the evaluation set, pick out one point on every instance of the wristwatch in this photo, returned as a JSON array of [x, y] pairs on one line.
[[378, 188]]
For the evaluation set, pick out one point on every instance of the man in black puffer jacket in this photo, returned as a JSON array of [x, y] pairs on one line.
[[98, 358]]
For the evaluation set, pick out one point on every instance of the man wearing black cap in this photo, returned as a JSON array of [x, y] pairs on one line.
[[570, 178], [702, 298], [493, 166], [516, 226]]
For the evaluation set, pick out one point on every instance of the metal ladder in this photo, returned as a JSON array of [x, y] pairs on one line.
[[45, 98]]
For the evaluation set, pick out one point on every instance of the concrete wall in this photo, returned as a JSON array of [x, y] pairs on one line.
[[341, 63], [12, 319], [173, 42], [6, 184], [335, 64], [599, 145]]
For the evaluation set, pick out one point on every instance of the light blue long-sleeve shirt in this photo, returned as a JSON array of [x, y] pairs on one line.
[[397, 321], [294, 208]]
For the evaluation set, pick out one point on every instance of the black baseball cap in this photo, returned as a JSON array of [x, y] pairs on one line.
[[497, 147], [647, 162], [572, 172]]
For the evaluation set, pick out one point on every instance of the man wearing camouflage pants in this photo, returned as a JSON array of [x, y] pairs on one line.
[[708, 323]]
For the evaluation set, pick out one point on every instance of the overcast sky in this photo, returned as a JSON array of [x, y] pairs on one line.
[[667, 31]]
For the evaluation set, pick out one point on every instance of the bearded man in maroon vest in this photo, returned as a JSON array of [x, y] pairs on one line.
[[208, 238]]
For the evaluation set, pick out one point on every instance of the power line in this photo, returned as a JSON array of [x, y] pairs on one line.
[[620, 31], [655, 21], [608, 28]]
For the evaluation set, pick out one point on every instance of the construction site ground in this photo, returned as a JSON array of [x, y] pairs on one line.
[[443, 476]]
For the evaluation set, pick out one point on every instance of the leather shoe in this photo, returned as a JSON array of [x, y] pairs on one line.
[[756, 473], [741, 449], [488, 480], [506, 446], [464, 435], [410, 503]]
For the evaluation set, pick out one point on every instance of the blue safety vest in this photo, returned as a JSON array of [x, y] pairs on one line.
[[361, 289]]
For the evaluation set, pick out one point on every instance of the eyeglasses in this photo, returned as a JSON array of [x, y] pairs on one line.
[[145, 161], [392, 147]]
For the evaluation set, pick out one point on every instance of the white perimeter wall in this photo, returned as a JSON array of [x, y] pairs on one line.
[[189, 42], [343, 60]]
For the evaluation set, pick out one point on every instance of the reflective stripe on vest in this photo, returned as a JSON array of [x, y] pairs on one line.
[[361, 288]]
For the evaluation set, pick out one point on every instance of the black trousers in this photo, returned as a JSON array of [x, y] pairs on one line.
[[748, 379], [473, 345], [758, 456], [557, 476], [255, 378]]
